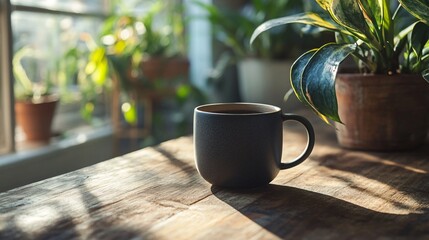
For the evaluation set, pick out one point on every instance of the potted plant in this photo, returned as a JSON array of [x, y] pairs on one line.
[[144, 54], [135, 50], [263, 67], [145, 51], [34, 101], [383, 106]]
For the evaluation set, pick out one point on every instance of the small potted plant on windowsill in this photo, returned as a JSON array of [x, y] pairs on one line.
[[384, 107], [35, 103], [264, 66]]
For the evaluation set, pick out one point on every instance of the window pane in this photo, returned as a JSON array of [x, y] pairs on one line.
[[49, 37]]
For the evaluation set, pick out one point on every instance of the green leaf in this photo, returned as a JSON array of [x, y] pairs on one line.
[[400, 38], [425, 74], [297, 70], [183, 91], [120, 66], [296, 74], [19, 70], [419, 37], [129, 111], [418, 8], [324, 4], [313, 19], [371, 11], [387, 26], [318, 78], [87, 111], [99, 76], [348, 14]]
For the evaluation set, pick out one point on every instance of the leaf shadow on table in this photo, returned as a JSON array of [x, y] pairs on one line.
[[103, 224], [179, 163], [62, 221], [297, 213], [406, 172]]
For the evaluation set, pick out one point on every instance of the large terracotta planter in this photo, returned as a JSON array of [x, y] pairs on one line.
[[382, 112], [35, 119]]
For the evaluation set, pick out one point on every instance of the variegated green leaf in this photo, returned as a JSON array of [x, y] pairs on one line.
[[296, 74], [418, 8], [324, 4], [297, 70], [419, 37], [303, 18], [402, 34], [371, 11], [425, 74], [349, 14], [386, 25], [318, 78]]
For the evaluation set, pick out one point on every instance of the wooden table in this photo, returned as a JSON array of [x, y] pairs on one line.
[[156, 193]]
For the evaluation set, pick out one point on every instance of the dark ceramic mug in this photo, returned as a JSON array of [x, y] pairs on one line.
[[240, 144]]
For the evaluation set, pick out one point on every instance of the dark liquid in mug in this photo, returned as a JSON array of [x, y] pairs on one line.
[[238, 112]]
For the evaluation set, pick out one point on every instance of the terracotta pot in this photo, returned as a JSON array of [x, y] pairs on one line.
[[160, 68], [35, 119], [382, 112], [165, 68]]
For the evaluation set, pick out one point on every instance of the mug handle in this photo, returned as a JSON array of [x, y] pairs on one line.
[[310, 142]]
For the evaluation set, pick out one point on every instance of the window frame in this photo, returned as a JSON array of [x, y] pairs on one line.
[[7, 118]]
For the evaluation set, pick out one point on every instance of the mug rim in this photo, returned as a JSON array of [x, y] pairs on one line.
[[217, 108]]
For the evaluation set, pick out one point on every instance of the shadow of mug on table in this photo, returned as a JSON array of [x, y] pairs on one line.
[[294, 213], [240, 144]]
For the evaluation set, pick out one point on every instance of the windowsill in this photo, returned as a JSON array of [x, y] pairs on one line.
[[80, 148]]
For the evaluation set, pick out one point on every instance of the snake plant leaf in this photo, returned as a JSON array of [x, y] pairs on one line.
[[324, 4], [419, 37], [349, 14], [425, 75], [372, 12], [309, 18], [400, 38], [418, 8], [318, 78], [387, 21], [296, 72]]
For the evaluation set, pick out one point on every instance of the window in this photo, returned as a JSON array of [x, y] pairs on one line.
[[50, 28]]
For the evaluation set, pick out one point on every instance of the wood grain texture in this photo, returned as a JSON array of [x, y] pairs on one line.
[[156, 193]]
